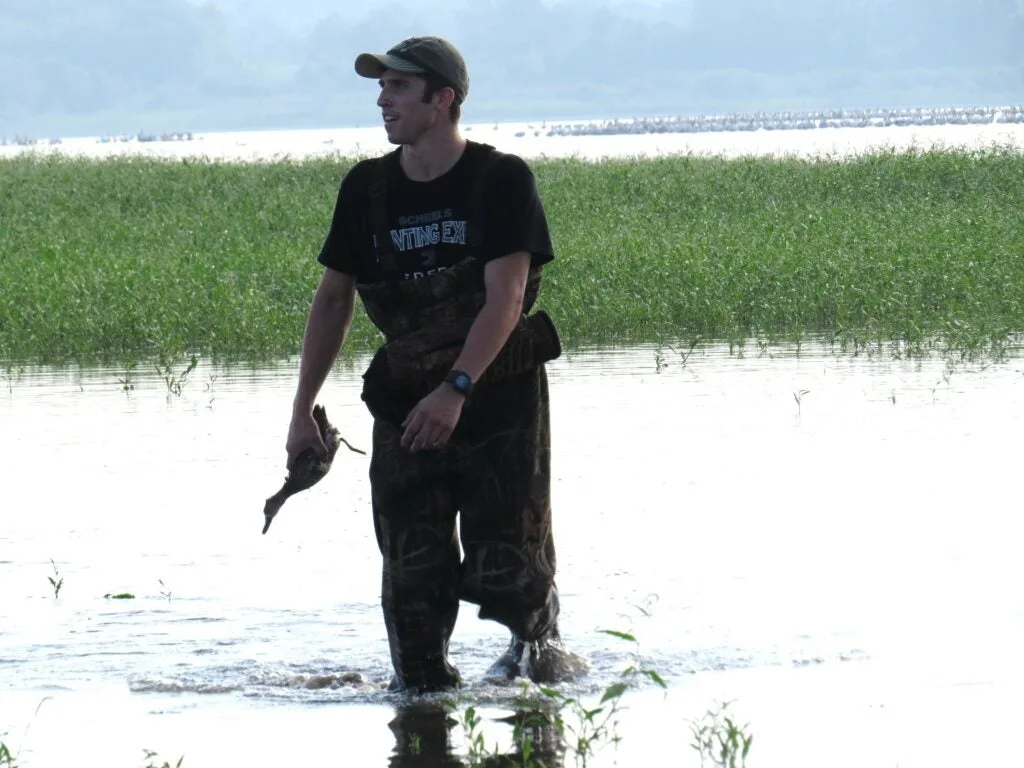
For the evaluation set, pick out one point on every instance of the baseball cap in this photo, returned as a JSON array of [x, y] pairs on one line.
[[419, 56]]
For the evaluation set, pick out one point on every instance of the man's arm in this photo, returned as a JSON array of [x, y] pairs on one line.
[[516, 237], [330, 316], [505, 284]]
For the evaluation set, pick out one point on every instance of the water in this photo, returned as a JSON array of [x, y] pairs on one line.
[[530, 140], [844, 566]]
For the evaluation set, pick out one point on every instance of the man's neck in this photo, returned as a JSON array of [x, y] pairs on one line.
[[432, 156]]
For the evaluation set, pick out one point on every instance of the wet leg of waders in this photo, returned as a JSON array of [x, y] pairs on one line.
[[414, 520], [505, 502]]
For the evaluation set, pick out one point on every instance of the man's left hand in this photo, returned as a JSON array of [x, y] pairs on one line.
[[429, 425]]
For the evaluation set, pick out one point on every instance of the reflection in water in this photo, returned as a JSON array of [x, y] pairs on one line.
[[424, 732], [423, 737]]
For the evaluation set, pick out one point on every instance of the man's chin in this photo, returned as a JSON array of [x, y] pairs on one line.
[[394, 137]]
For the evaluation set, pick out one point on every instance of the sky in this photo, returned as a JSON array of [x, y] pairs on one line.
[[117, 65]]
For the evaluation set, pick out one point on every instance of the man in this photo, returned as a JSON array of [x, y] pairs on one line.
[[443, 240]]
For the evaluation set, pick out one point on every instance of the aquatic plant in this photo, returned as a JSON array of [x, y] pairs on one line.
[[12, 371], [127, 381], [7, 760], [596, 725], [150, 756], [56, 581], [175, 382], [660, 362], [799, 397], [718, 739], [584, 726], [476, 747]]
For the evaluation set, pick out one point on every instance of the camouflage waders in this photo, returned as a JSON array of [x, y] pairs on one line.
[[494, 472]]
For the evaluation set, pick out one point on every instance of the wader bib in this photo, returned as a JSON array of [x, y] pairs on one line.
[[494, 471]]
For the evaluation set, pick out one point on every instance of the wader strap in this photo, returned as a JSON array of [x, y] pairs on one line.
[[379, 221], [476, 202]]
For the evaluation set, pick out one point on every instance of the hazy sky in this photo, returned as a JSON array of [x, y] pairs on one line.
[[303, 14], [84, 65]]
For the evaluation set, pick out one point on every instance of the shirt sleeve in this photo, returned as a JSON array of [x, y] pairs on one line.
[[514, 217], [342, 246]]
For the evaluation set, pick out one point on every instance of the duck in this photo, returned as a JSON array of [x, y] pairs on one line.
[[309, 468]]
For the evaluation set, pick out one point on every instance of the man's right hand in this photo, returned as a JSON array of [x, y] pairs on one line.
[[303, 433]]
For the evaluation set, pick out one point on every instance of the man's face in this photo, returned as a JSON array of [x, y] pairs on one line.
[[406, 116]]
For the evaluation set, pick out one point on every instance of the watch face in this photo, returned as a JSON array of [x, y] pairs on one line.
[[460, 381]]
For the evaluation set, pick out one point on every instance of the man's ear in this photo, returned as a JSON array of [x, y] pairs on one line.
[[445, 98]]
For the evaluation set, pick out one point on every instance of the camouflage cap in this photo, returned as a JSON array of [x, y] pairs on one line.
[[418, 56]]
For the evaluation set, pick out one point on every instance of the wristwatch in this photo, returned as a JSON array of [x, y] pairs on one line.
[[460, 381]]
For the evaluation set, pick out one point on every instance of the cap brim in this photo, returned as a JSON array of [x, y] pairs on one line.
[[375, 64]]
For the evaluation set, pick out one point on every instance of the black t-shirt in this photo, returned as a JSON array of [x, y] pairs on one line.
[[430, 221]]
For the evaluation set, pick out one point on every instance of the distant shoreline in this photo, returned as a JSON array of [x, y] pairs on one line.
[[709, 123], [811, 120]]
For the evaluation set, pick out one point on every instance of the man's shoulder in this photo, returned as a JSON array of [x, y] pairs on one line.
[[500, 164], [358, 180]]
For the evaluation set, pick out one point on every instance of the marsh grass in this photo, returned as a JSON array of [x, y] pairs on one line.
[[131, 258], [918, 246]]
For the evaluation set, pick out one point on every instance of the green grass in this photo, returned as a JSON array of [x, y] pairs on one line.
[[132, 259]]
